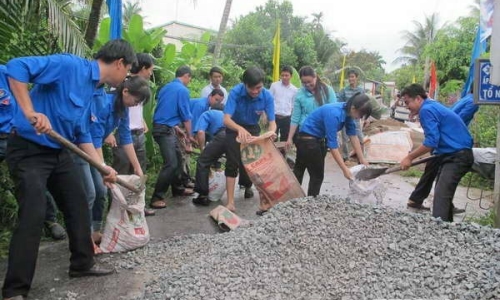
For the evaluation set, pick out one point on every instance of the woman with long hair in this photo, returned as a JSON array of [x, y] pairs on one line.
[[313, 94], [110, 113], [324, 123]]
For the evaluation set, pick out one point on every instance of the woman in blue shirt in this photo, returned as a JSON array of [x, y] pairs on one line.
[[110, 113], [323, 123], [313, 94]]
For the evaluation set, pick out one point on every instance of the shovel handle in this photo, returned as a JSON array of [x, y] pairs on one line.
[[103, 170], [414, 163]]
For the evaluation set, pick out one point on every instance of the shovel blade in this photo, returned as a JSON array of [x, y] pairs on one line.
[[368, 174]]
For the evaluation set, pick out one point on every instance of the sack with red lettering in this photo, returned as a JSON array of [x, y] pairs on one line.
[[126, 227], [269, 172], [216, 185]]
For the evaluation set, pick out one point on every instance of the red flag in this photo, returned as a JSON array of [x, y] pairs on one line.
[[433, 83]]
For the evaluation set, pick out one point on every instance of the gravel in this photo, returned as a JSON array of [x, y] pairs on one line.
[[326, 248]]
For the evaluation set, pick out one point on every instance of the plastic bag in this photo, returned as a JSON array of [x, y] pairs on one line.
[[366, 191], [216, 185], [126, 227]]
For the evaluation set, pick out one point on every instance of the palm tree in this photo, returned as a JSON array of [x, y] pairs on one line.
[[222, 30], [130, 9], [417, 40], [93, 23], [38, 27], [317, 22]]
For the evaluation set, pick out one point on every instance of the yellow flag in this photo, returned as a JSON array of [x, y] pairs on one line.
[[414, 80], [342, 74], [276, 54]]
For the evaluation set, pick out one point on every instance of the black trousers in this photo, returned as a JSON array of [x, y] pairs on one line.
[[233, 156], [34, 168], [210, 155], [171, 154], [283, 127], [311, 154], [453, 168], [424, 185]]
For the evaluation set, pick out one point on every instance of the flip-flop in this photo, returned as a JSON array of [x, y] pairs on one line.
[[261, 212], [158, 204]]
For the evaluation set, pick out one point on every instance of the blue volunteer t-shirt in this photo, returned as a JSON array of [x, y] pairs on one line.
[[444, 130], [106, 120], [245, 110], [64, 86], [197, 107], [465, 108], [173, 104], [326, 121], [210, 121], [7, 102]]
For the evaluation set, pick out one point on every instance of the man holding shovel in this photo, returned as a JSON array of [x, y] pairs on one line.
[[446, 136], [63, 88]]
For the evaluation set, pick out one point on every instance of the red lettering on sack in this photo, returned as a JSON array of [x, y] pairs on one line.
[[139, 231], [114, 239]]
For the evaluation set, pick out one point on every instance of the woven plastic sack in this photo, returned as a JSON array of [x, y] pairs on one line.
[[126, 227], [366, 191], [216, 185]]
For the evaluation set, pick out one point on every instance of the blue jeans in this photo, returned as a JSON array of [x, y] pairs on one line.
[[100, 199], [88, 182]]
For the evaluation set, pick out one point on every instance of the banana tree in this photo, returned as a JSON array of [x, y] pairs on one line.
[[143, 41], [38, 27]]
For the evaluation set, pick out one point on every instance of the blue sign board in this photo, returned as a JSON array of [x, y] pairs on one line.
[[484, 91]]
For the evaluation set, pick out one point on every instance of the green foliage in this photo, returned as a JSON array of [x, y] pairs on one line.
[[451, 49], [412, 172], [302, 43], [484, 126], [404, 76], [143, 41], [485, 220]]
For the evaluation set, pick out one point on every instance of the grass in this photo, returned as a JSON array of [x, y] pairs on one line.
[[412, 172], [486, 220]]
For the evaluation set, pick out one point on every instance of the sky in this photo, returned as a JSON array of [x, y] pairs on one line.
[[373, 25]]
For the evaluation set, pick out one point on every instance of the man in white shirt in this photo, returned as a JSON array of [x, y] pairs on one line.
[[216, 75], [284, 93]]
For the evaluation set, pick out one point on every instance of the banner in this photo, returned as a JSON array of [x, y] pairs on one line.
[[115, 14], [276, 54]]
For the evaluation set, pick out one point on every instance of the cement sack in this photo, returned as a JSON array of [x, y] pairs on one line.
[[126, 227], [269, 172], [216, 185], [366, 191]]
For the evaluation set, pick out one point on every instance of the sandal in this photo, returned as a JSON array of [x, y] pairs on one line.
[[261, 212], [158, 204], [416, 205]]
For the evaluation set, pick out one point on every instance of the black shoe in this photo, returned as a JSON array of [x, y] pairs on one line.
[[55, 230], [96, 270], [415, 205], [457, 210], [248, 193], [201, 200]]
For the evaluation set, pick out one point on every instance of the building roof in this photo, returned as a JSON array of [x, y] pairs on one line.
[[186, 25]]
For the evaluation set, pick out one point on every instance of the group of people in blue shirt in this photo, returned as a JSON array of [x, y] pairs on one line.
[[67, 96]]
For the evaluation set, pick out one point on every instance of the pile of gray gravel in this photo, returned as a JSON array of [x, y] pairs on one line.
[[327, 248]]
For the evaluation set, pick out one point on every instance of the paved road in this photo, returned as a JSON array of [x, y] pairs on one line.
[[181, 218]]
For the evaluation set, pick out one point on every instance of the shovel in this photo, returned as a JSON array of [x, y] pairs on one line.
[[72, 147], [367, 174]]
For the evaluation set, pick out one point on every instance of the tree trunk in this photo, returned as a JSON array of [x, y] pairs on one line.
[[93, 24], [222, 29]]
